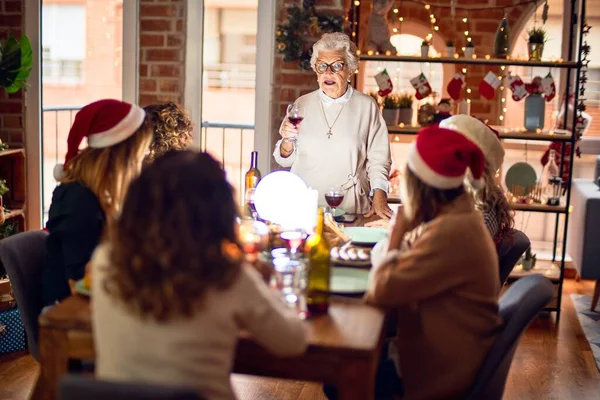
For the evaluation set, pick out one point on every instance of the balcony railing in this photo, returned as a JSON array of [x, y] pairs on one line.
[[231, 144], [230, 76]]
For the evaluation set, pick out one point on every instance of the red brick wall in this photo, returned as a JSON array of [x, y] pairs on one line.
[[162, 51], [12, 107]]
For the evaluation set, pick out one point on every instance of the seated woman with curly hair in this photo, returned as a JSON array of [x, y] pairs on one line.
[[172, 129], [171, 292]]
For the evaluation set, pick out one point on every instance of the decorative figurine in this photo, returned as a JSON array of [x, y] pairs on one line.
[[426, 114], [443, 111]]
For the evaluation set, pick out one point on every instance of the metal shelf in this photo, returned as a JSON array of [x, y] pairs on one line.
[[471, 61]]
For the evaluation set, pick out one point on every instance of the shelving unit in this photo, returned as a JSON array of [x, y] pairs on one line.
[[12, 168], [554, 269]]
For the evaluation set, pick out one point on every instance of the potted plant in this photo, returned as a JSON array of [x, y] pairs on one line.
[[528, 260], [405, 112], [425, 49], [16, 60], [450, 48], [3, 190], [469, 50], [391, 109], [537, 37]]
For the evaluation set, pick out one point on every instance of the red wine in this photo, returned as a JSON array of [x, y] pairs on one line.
[[295, 120], [334, 200], [293, 238]]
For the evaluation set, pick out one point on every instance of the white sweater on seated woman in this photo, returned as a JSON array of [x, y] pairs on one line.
[[197, 352]]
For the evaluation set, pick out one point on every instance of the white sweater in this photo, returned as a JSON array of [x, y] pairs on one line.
[[196, 352], [357, 156]]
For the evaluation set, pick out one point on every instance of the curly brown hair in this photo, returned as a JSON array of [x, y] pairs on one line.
[[492, 198], [172, 241], [172, 129]]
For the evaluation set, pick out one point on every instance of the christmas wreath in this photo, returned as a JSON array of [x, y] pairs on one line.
[[303, 23]]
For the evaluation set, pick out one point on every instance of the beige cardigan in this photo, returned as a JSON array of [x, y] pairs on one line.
[[445, 290]]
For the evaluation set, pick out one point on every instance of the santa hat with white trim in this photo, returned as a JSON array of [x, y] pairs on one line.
[[483, 135], [441, 158], [104, 123]]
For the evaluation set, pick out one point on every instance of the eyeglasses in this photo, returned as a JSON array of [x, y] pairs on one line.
[[335, 67]]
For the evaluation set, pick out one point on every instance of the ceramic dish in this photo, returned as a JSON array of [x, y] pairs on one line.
[[81, 289], [365, 236], [351, 256], [349, 281]]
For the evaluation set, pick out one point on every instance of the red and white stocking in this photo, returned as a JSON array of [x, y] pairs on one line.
[[455, 86], [549, 87], [517, 87], [489, 84], [422, 86], [384, 82]]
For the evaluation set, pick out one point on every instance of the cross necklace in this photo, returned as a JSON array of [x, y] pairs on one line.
[[329, 133]]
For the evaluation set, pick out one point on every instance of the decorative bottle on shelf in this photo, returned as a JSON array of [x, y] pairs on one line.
[[250, 182], [548, 173], [319, 269]]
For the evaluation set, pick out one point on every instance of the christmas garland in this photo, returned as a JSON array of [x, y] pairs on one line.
[[302, 23]]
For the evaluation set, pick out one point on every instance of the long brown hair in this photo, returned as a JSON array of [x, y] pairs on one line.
[[107, 172], [492, 199], [167, 248], [426, 202]]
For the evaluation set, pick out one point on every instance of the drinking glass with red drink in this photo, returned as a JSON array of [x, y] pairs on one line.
[[334, 197], [295, 114], [253, 236], [294, 239]]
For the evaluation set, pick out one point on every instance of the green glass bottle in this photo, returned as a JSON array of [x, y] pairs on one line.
[[319, 269]]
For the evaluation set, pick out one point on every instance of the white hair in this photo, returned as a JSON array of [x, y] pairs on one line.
[[336, 41]]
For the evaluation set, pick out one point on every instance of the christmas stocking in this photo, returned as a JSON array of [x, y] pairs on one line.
[[549, 87], [517, 87], [456, 85], [422, 86], [489, 84], [384, 82]]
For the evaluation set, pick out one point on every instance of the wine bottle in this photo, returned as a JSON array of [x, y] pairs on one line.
[[251, 181], [319, 269]]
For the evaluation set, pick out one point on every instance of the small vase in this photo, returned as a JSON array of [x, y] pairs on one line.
[[390, 116], [535, 109], [450, 51], [424, 51], [527, 265], [535, 51], [405, 116], [469, 52]]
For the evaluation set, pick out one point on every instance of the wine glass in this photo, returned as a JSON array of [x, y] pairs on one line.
[[295, 115], [254, 237], [334, 197], [294, 239]]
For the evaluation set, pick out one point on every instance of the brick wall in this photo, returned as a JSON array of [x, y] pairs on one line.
[[12, 107], [162, 51], [290, 82]]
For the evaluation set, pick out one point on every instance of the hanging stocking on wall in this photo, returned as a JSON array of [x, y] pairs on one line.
[[549, 87], [384, 82], [422, 86], [489, 84], [517, 87], [456, 85]]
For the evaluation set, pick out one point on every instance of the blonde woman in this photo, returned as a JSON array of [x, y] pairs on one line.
[[93, 183]]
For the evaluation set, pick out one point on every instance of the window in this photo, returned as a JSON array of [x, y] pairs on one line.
[[63, 43]]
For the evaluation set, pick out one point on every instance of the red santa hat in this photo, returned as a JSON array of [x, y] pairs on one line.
[[104, 123], [441, 158], [481, 134]]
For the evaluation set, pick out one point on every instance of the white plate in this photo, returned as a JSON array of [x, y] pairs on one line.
[[349, 280], [364, 235]]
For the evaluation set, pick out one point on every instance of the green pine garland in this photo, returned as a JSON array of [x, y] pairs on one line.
[[303, 23]]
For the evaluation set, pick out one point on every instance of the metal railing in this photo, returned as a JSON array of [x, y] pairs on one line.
[[231, 76], [230, 144]]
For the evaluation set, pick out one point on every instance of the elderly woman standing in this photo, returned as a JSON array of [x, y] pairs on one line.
[[342, 140]]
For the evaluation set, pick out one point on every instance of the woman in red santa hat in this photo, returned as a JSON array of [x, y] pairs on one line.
[[93, 182], [445, 286]]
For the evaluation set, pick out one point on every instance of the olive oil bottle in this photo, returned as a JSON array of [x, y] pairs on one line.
[[319, 269]]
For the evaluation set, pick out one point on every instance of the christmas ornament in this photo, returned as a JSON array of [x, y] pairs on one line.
[[426, 114], [549, 87], [517, 87], [422, 86], [456, 85], [384, 82], [378, 38], [501, 42], [545, 13], [489, 84]]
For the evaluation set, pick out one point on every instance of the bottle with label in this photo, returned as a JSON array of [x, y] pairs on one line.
[[550, 171], [319, 269], [250, 182]]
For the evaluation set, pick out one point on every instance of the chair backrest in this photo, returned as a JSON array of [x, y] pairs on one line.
[[518, 307], [512, 247], [76, 387], [23, 258]]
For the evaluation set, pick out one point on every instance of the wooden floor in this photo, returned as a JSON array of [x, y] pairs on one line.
[[551, 362]]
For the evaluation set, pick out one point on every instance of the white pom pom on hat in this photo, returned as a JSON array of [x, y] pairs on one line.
[[104, 123]]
